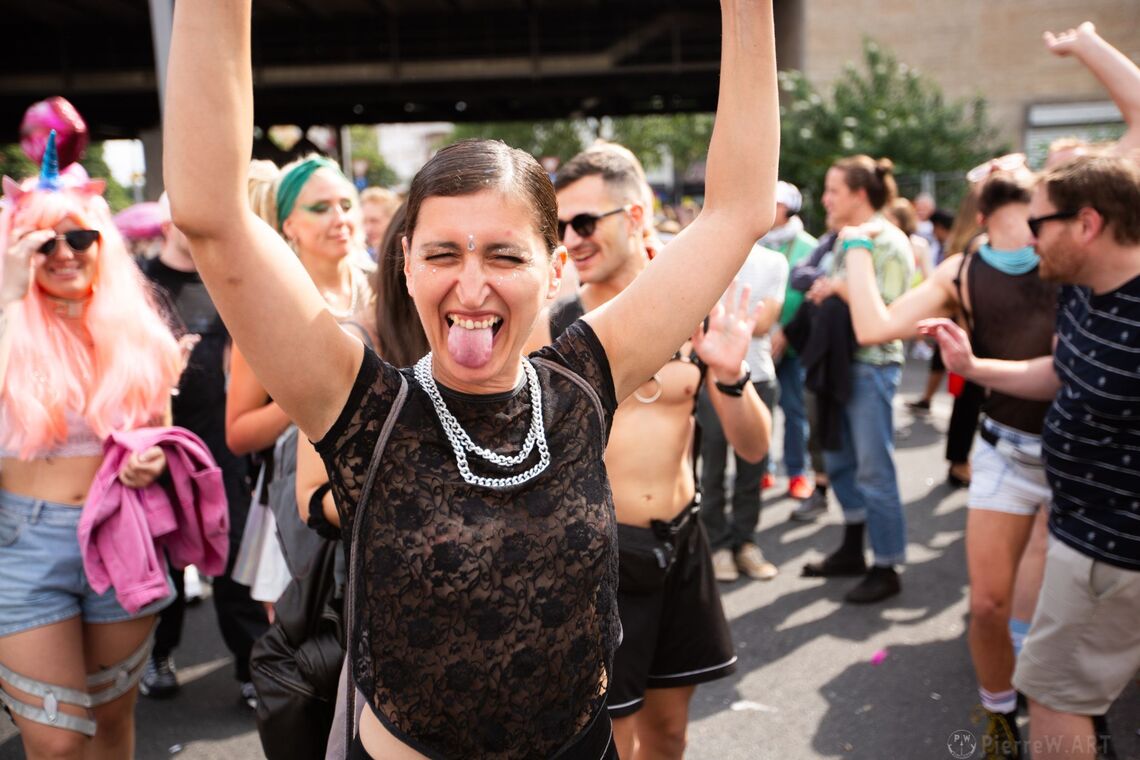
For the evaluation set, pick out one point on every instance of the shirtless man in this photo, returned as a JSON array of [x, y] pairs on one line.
[[675, 635]]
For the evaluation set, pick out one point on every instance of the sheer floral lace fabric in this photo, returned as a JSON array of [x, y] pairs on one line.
[[486, 621]]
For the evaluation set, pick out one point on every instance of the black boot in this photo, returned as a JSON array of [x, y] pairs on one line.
[[846, 560], [1104, 750], [878, 584], [1001, 739]]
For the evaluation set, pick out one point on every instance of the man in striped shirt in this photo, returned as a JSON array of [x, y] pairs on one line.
[[1084, 643]]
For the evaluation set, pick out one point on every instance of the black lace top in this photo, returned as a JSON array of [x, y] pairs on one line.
[[486, 621]]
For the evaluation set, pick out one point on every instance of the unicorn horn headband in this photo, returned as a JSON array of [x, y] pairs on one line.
[[49, 169], [50, 178]]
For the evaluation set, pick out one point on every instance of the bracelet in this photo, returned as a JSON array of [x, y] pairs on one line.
[[317, 520], [860, 242], [736, 389]]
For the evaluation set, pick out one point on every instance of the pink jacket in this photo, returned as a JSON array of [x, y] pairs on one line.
[[121, 528]]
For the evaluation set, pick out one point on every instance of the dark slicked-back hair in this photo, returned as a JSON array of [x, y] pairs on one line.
[[398, 326], [470, 166], [1109, 184]]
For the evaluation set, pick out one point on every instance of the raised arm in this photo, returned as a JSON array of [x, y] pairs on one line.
[[1033, 379], [264, 295], [651, 318], [874, 321], [1119, 75], [253, 421], [746, 422]]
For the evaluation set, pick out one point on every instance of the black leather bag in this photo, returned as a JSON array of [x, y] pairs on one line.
[[296, 665]]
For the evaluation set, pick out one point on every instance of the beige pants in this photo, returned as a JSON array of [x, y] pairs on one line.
[[1084, 643]]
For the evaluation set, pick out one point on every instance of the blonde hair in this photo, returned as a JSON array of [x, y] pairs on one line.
[[381, 196], [262, 186]]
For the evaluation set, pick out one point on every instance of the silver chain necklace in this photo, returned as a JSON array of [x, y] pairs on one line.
[[461, 442]]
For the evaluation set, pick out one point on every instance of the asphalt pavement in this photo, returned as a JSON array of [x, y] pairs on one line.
[[816, 678]]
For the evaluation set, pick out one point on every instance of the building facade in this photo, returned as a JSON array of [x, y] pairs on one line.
[[991, 48]]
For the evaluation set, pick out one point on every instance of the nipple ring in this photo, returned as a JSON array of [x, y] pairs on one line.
[[652, 398]]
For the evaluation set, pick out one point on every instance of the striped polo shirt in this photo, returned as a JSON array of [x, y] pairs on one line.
[[1091, 439]]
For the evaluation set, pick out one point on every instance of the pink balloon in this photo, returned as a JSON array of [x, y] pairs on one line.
[[70, 130]]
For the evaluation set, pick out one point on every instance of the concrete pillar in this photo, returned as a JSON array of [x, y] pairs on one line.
[[790, 31], [152, 156]]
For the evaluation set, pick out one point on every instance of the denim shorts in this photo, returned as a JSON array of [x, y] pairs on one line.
[[1009, 475], [41, 571]]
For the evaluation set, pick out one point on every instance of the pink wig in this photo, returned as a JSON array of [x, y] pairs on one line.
[[124, 380]]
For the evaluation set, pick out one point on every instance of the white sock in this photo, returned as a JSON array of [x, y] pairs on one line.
[[998, 701]]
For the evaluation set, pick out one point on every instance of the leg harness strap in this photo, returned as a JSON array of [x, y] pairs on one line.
[[122, 678]]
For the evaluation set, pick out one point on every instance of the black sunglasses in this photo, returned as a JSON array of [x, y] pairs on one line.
[[1035, 222], [77, 240], [584, 224]]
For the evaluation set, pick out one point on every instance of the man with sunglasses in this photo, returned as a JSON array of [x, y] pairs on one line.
[[1084, 643], [675, 634]]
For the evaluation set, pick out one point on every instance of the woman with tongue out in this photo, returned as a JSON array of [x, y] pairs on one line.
[[483, 568]]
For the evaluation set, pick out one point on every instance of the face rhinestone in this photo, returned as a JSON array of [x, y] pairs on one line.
[[461, 442]]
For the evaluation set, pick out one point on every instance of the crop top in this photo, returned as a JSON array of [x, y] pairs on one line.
[[81, 439], [486, 620]]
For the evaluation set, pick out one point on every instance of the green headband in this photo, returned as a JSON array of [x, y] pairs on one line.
[[294, 180]]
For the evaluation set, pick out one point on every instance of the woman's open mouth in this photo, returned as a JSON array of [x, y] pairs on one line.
[[470, 341]]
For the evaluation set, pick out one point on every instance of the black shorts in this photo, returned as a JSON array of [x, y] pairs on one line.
[[674, 632]]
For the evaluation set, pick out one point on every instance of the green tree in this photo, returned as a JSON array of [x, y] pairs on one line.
[[118, 197], [559, 138], [365, 148], [14, 164], [884, 108], [684, 137]]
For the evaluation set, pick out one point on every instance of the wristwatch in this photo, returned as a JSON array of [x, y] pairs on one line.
[[737, 388]]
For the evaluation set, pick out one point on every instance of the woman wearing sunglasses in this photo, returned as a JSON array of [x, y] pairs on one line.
[[83, 353], [1009, 311], [483, 568], [314, 207]]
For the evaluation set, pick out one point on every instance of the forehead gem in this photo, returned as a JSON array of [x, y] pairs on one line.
[[471, 242]]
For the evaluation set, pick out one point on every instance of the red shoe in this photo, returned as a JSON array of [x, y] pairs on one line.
[[800, 488], [767, 481]]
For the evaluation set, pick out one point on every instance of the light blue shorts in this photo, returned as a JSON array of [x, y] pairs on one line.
[[1007, 475], [41, 571]]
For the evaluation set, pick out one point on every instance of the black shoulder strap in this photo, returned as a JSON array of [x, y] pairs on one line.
[[563, 314], [350, 595], [969, 319]]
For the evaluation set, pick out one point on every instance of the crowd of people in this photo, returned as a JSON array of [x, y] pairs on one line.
[[465, 468]]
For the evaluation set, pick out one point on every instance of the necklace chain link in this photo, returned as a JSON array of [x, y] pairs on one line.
[[461, 442]]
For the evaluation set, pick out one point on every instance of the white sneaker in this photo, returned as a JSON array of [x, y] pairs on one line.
[[193, 584], [724, 566], [752, 563]]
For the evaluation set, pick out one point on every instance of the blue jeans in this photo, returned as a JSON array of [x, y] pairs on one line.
[[862, 471], [790, 374]]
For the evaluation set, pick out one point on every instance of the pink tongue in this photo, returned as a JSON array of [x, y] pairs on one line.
[[470, 348]]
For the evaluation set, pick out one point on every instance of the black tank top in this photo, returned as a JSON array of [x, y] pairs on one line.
[[1011, 317]]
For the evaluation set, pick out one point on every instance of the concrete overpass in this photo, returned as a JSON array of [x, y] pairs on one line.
[[369, 61]]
